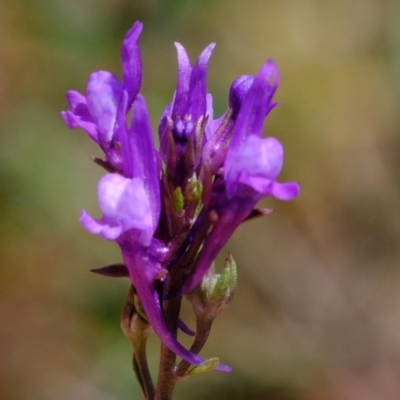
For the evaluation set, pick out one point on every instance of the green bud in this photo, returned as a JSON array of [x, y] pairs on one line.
[[216, 291], [178, 200], [205, 366], [194, 190], [226, 283]]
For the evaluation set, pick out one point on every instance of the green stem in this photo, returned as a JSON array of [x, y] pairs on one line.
[[136, 328], [141, 366]]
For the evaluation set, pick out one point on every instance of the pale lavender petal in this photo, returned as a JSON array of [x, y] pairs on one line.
[[75, 100], [104, 92], [125, 203], [285, 191], [132, 61], [74, 121], [99, 227], [257, 165], [79, 116]]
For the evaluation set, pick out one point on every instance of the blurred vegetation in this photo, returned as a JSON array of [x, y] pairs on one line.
[[317, 312]]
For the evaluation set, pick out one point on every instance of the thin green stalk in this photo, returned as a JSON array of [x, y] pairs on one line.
[[136, 328]]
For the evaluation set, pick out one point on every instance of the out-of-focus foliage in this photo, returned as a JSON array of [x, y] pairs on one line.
[[316, 313]]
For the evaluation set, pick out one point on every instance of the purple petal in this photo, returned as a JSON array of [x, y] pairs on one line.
[[104, 92], [257, 165], [146, 159], [239, 89], [99, 227], [198, 85], [285, 191], [79, 116], [184, 328], [256, 105], [140, 158], [125, 203], [132, 61], [182, 89], [75, 99]]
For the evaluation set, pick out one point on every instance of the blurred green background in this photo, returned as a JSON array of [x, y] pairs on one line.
[[317, 312]]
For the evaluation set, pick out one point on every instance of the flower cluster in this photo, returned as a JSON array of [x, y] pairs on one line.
[[177, 207]]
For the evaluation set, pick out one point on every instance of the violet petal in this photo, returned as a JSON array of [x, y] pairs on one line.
[[132, 62], [104, 92]]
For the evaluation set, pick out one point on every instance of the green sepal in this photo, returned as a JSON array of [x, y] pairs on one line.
[[205, 366], [178, 200], [194, 190]]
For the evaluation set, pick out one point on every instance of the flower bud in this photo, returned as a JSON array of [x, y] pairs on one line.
[[194, 190], [215, 292]]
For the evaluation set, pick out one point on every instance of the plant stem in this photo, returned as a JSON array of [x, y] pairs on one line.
[[136, 328], [141, 366], [166, 378]]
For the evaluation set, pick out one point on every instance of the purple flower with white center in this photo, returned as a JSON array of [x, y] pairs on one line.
[[96, 112], [251, 169]]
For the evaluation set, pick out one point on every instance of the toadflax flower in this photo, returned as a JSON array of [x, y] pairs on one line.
[[131, 211], [251, 169], [96, 112], [130, 197], [176, 209]]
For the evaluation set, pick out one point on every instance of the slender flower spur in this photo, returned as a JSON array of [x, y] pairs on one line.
[[171, 211]]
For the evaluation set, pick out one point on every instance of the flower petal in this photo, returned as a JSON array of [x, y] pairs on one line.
[[198, 85], [125, 203], [99, 227], [104, 92], [132, 62], [285, 191], [140, 157], [239, 89], [256, 105], [256, 165], [79, 115]]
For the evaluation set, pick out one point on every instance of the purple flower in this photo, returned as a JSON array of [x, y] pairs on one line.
[[131, 210], [251, 169], [96, 112], [183, 120], [150, 202]]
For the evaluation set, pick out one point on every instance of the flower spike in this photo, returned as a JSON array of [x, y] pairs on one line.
[[171, 211]]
